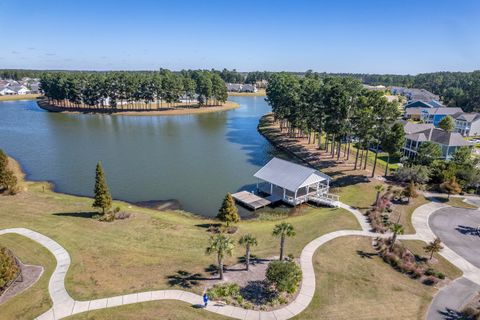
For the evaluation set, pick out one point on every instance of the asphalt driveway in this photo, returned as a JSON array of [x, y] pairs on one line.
[[457, 228]]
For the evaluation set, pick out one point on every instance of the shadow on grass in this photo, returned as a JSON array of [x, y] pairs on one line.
[[85, 215], [366, 255], [185, 279]]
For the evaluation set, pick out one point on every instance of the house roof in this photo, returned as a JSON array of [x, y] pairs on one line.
[[433, 111], [288, 175], [469, 117], [451, 139], [411, 127]]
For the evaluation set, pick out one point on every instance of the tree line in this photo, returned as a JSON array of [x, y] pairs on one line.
[[136, 90], [336, 111]]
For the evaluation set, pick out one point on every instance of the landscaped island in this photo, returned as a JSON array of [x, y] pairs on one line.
[[162, 92]]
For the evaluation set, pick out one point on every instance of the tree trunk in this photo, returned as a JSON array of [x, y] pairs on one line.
[[348, 149], [394, 239], [247, 257], [361, 159], [356, 159], [339, 148], [386, 167], [378, 197], [366, 159], [282, 245], [220, 266], [375, 161]]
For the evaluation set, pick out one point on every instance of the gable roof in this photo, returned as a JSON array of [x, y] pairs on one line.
[[411, 127], [433, 111], [451, 139], [288, 175], [469, 117]]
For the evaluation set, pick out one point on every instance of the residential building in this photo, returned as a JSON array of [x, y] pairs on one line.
[[237, 87], [413, 94], [430, 115], [467, 124], [6, 91], [19, 89], [448, 141], [412, 127], [423, 104]]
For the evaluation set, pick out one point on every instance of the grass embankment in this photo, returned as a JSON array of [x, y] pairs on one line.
[[143, 109], [360, 287], [458, 202], [365, 287], [259, 93], [140, 253], [20, 97], [35, 300]]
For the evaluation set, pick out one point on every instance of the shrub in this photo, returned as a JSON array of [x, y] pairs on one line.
[[8, 267], [430, 281], [224, 290], [285, 276], [122, 215]]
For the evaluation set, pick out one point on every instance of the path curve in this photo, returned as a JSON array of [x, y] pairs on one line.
[[64, 305]]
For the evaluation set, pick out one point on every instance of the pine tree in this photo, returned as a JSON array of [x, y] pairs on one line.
[[103, 199], [228, 213], [8, 181]]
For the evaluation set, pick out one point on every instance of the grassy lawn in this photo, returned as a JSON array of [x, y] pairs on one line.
[[139, 253], [363, 288], [403, 213], [456, 202], [259, 93], [20, 97], [168, 309], [35, 300]]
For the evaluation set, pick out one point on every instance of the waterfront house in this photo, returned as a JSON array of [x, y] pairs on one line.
[[448, 141], [237, 87], [19, 89], [6, 91], [295, 184], [467, 124], [430, 115]]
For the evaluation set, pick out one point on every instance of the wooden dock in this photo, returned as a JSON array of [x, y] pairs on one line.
[[251, 200]]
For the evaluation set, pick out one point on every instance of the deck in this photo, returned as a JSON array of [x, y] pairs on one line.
[[251, 200]]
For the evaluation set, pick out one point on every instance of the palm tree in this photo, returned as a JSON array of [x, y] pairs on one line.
[[247, 240], [283, 230], [433, 247], [222, 245], [397, 229], [379, 188]]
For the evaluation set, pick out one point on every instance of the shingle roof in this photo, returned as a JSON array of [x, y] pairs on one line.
[[432, 111], [288, 175], [411, 127], [439, 136], [469, 117]]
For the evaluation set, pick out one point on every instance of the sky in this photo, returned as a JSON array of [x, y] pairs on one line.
[[369, 36]]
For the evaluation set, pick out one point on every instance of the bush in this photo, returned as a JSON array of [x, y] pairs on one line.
[[122, 215], [224, 290], [430, 281], [8, 267], [285, 276]]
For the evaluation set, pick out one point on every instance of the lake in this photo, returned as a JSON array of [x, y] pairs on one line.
[[195, 159]]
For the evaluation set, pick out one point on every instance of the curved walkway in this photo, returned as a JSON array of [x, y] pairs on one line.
[[64, 305]]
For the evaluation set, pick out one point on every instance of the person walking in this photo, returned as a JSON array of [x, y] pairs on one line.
[[205, 298]]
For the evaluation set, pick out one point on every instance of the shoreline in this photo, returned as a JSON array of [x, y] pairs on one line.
[[169, 111], [259, 93], [17, 97]]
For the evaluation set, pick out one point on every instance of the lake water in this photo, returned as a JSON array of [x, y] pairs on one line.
[[195, 159]]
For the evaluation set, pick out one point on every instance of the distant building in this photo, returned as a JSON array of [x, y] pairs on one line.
[[237, 87], [448, 141], [19, 89], [6, 91], [413, 94], [374, 88]]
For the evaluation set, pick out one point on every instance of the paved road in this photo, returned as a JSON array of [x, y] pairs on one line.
[[457, 228], [450, 300]]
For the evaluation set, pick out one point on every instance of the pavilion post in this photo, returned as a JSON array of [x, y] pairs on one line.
[[271, 188]]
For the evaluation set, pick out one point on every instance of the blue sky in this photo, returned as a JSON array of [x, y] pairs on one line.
[[368, 36]]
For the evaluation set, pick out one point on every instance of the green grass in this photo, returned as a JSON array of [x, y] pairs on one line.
[[362, 287], [168, 309], [259, 93], [139, 253], [35, 300], [455, 202]]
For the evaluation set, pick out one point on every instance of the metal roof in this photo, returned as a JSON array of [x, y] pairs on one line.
[[288, 175]]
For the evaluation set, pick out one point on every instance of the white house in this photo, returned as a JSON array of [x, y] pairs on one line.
[[21, 90], [237, 87], [6, 91], [295, 184], [467, 124]]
